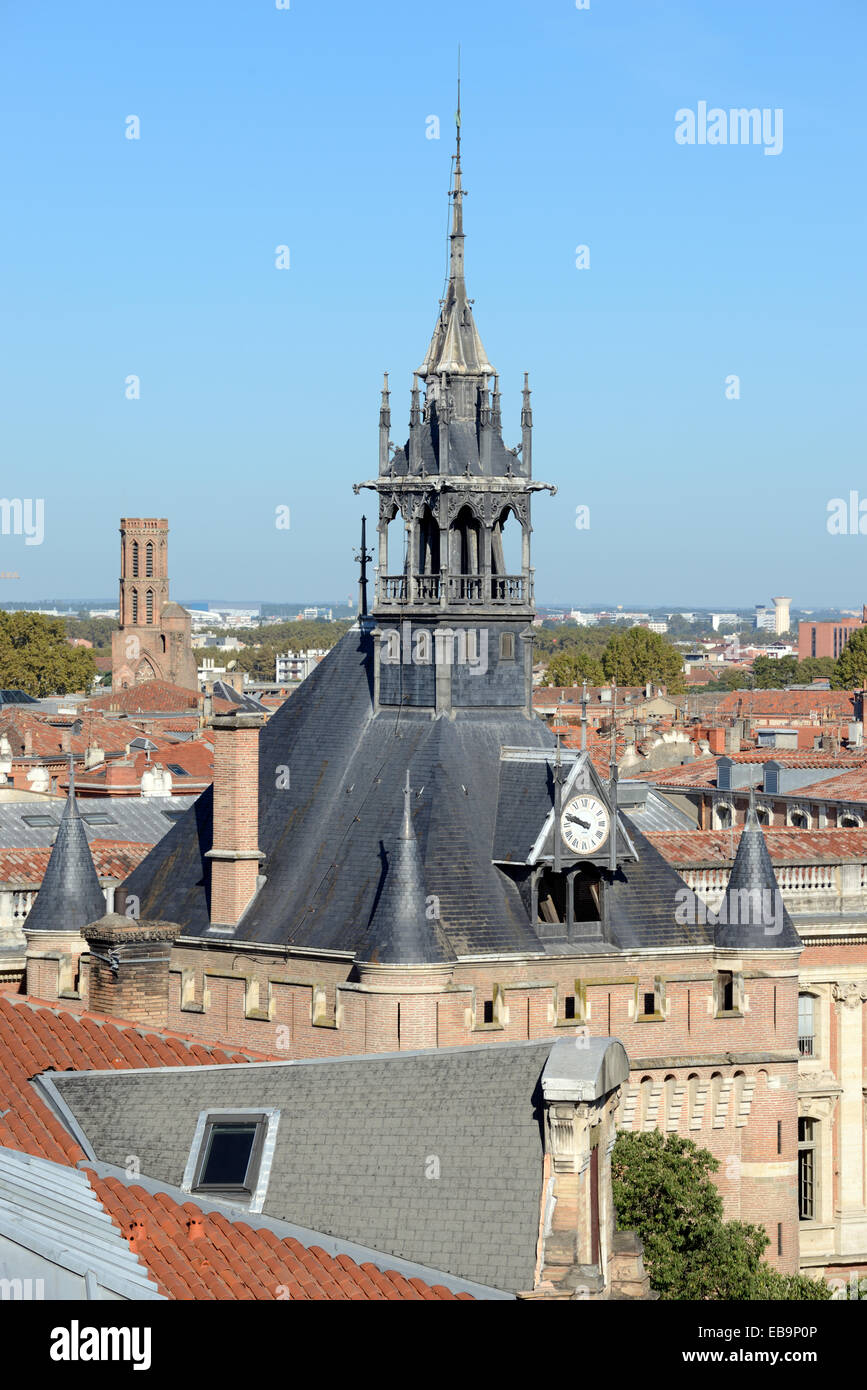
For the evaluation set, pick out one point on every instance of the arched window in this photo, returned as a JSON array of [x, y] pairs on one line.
[[691, 1096], [149, 606], [806, 1025], [149, 560], [135, 559], [723, 815], [799, 820], [135, 606], [667, 1102], [644, 1102], [715, 1092]]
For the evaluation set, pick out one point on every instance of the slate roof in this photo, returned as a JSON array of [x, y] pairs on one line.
[[402, 929], [187, 1251], [137, 820], [435, 1156], [327, 837], [70, 895], [752, 915]]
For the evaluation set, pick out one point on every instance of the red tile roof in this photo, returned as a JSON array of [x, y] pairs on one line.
[[836, 703], [152, 696], [194, 1254], [685, 848], [112, 858], [47, 735], [189, 1253]]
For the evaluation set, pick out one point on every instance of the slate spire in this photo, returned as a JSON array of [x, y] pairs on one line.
[[405, 927], [70, 895], [456, 347], [752, 915]]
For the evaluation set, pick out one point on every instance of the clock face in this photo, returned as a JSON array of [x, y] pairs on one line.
[[584, 824]]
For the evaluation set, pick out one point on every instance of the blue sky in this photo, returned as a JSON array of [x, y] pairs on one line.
[[306, 127]]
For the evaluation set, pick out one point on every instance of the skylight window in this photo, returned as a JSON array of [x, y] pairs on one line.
[[177, 769], [231, 1155], [40, 820], [98, 818]]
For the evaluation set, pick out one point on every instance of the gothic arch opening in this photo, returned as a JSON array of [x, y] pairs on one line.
[[465, 543], [135, 606], [149, 560], [149, 606], [427, 542], [507, 541], [134, 559]]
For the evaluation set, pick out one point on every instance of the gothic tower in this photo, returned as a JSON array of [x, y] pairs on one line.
[[453, 603], [153, 641]]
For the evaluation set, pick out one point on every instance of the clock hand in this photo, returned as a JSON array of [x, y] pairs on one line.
[[578, 821]]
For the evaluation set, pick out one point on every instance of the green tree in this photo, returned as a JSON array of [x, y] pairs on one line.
[[815, 668], [36, 657], [850, 672], [639, 655], [775, 673], [571, 666], [663, 1190]]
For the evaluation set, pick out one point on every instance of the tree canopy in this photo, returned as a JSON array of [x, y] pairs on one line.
[[850, 672], [663, 1190], [36, 657], [639, 655]]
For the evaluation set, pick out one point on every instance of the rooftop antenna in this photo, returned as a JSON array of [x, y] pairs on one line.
[[584, 716]]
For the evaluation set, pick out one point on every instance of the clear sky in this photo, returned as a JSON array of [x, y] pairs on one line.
[[306, 127]]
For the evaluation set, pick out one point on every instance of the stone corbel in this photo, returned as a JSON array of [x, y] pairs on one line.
[[568, 1138]]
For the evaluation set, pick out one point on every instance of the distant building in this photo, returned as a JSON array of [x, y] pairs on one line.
[[153, 639], [296, 666], [764, 620], [827, 639], [657, 626], [716, 619]]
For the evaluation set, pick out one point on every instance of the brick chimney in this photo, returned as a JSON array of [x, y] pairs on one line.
[[235, 855], [128, 968]]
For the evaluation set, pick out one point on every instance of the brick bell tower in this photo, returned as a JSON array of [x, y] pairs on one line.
[[153, 641]]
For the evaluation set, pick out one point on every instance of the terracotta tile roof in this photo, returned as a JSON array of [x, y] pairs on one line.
[[36, 1037], [190, 1253], [685, 848], [152, 696], [47, 736], [194, 1254], [112, 859], [700, 774], [758, 702]]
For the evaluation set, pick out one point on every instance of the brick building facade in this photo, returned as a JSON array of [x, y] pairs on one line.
[[153, 640]]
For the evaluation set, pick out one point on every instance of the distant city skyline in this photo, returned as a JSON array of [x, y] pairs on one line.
[[214, 262]]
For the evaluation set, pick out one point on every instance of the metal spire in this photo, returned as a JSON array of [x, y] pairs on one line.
[[364, 556]]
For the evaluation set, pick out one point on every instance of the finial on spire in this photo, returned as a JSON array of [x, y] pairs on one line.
[[406, 827], [458, 118], [364, 556], [71, 777]]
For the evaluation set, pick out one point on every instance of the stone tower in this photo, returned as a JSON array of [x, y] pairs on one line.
[[453, 602], [153, 641]]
